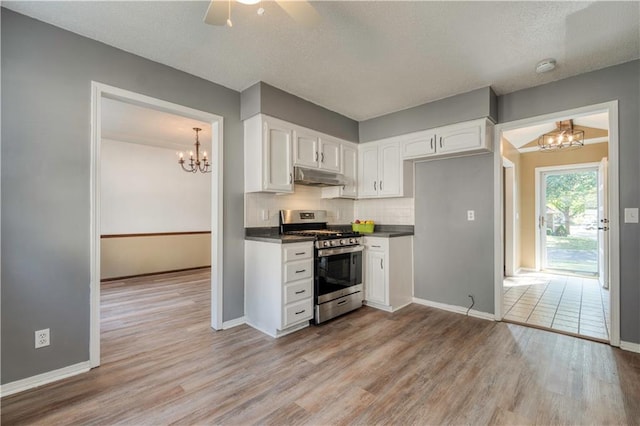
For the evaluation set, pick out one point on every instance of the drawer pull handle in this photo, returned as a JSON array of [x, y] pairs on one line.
[[341, 303], [301, 253], [300, 312], [376, 246], [300, 292], [300, 271]]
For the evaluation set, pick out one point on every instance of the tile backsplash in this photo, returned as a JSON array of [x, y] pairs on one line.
[[387, 211], [262, 209]]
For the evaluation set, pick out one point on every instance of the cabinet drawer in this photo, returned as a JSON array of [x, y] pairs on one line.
[[297, 312], [298, 252], [298, 291], [295, 271], [373, 243]]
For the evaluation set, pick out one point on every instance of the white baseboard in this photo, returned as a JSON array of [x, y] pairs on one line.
[[44, 378], [521, 270], [386, 308], [454, 308], [279, 333], [234, 323], [631, 347]]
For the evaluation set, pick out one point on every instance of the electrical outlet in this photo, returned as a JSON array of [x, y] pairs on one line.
[[471, 215], [264, 214], [631, 215], [42, 338]]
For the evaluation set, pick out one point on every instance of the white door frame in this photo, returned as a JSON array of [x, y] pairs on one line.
[[614, 204], [539, 171], [98, 91], [510, 220]]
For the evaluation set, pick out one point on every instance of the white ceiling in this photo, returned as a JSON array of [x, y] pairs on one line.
[[125, 122], [365, 58], [522, 136]]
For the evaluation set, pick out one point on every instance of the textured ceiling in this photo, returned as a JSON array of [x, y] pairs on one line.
[[365, 58]]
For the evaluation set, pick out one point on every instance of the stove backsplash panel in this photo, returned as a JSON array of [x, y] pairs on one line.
[[262, 209]]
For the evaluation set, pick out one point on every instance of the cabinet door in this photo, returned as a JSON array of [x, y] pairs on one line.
[[375, 282], [350, 171], [278, 169], [419, 146], [330, 155], [306, 151], [368, 172], [389, 173], [459, 138]]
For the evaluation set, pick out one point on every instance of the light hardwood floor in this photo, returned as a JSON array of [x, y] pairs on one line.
[[162, 364]]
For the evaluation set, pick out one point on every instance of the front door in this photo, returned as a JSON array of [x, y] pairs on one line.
[[568, 220]]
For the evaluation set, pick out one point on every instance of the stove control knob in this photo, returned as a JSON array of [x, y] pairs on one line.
[[334, 242], [326, 243], [352, 240], [344, 242]]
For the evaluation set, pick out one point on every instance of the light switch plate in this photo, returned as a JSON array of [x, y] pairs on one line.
[[631, 215], [471, 215]]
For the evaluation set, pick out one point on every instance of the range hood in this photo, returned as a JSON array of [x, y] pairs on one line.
[[315, 177]]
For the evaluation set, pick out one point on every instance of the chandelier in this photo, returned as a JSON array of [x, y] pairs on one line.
[[564, 137], [195, 164]]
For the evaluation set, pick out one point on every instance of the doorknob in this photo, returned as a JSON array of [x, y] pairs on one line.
[[604, 228]]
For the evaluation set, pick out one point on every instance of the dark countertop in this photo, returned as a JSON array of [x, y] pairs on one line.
[[272, 234], [391, 231]]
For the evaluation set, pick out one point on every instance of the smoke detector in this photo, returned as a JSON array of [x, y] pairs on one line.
[[545, 65]]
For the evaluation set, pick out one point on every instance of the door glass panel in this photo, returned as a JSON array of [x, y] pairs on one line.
[[571, 222]]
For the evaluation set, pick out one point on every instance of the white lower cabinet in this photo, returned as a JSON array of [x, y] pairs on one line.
[[278, 286], [388, 272]]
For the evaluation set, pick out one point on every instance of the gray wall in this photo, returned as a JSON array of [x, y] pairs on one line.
[[46, 82], [453, 257], [621, 82], [478, 103], [269, 100]]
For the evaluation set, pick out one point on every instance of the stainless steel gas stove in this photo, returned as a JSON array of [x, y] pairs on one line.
[[338, 285]]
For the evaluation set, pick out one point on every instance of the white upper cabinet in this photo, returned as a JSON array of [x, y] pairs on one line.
[[368, 171], [349, 155], [306, 146], [381, 171], [268, 165], [389, 171], [330, 154], [350, 170], [314, 151], [464, 138]]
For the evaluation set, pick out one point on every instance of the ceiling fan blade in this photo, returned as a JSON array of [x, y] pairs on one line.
[[217, 12], [301, 11]]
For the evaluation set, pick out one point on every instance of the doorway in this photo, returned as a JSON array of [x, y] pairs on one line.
[[567, 215], [565, 279], [100, 93]]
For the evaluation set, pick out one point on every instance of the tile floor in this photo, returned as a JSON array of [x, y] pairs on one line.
[[572, 304]]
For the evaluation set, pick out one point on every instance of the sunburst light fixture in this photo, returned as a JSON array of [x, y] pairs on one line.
[[195, 164], [564, 137]]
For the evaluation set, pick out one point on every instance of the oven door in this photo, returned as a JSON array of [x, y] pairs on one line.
[[337, 271]]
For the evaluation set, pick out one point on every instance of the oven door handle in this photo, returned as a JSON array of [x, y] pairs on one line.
[[339, 250]]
